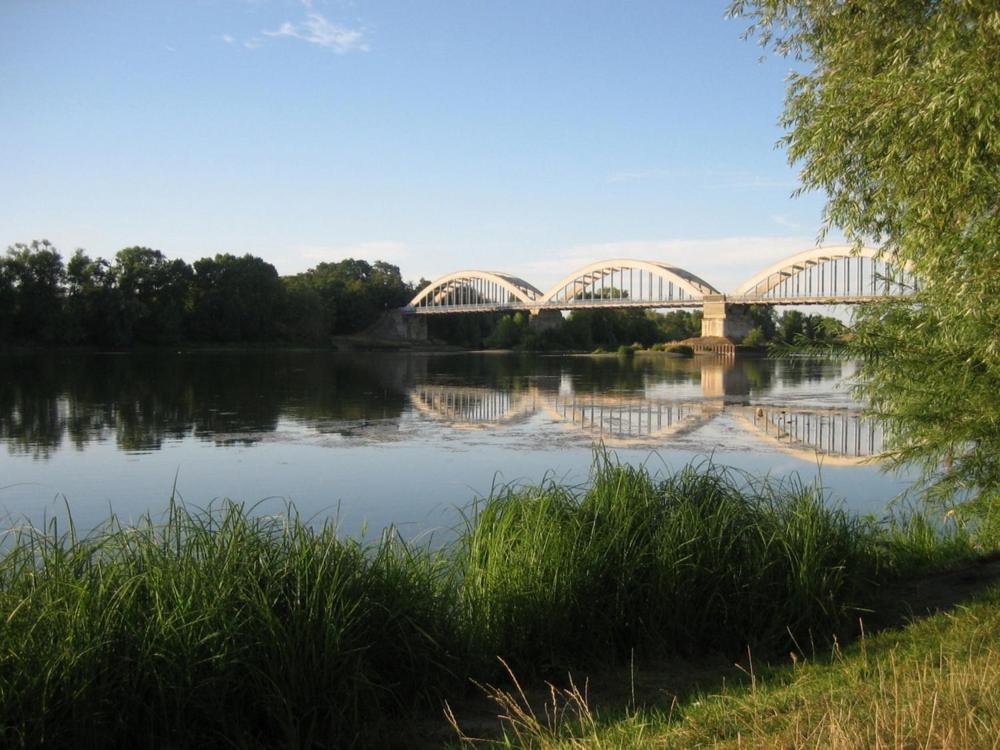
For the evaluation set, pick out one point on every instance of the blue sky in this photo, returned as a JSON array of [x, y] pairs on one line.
[[527, 137]]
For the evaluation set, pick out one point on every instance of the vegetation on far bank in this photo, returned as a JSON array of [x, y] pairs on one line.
[[607, 330], [142, 297], [266, 631]]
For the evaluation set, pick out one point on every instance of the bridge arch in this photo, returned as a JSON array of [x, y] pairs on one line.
[[476, 289], [821, 273], [657, 282]]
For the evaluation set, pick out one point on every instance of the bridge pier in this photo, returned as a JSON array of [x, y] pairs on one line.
[[720, 318], [544, 320]]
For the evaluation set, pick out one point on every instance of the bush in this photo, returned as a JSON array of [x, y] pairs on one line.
[[755, 338]]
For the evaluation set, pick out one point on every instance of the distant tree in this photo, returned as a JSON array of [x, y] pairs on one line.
[[756, 337], [235, 298], [677, 325], [8, 298], [33, 281], [153, 291], [790, 326], [509, 332], [92, 301], [355, 293], [764, 317], [304, 318]]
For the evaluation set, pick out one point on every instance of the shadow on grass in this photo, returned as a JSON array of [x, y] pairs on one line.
[[591, 700]]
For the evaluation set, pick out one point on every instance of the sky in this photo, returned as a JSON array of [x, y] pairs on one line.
[[525, 137]]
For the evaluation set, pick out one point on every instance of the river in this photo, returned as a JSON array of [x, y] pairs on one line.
[[374, 439]]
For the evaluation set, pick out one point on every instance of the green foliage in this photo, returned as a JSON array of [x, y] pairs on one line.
[[270, 632], [696, 562], [509, 332], [152, 294], [215, 624], [353, 293], [32, 282], [796, 327], [894, 117], [677, 325], [682, 349], [143, 297], [471, 330], [756, 337], [765, 318], [234, 299]]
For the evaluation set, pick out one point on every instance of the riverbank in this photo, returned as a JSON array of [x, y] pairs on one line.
[[269, 632], [926, 677]]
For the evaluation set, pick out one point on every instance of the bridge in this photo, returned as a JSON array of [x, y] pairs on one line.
[[835, 275]]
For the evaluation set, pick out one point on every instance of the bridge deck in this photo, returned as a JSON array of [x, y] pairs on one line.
[[643, 304]]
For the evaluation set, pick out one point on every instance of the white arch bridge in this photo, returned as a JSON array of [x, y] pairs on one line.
[[834, 275]]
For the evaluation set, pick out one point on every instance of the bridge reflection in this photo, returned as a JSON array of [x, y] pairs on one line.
[[838, 433], [649, 418], [461, 406]]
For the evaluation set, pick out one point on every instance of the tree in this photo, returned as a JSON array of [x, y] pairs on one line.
[[235, 299], [677, 325], [896, 116], [33, 280], [153, 292], [355, 292], [92, 301], [791, 325]]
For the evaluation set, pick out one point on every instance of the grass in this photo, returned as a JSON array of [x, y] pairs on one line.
[[933, 684], [219, 624], [223, 627]]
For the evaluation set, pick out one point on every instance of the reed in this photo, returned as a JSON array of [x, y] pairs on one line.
[[215, 624], [699, 561], [222, 626]]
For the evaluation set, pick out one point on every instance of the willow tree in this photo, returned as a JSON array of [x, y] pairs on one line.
[[894, 112]]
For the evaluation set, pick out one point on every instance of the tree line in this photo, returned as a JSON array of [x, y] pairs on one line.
[[143, 297], [587, 330]]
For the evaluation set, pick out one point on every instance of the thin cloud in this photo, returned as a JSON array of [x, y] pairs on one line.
[[783, 221], [229, 39], [317, 29]]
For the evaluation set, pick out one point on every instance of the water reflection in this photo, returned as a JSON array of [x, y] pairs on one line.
[[651, 415], [142, 401]]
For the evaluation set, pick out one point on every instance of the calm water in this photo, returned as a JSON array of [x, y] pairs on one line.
[[404, 439]]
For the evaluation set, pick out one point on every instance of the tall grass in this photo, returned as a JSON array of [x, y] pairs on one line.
[[699, 561], [217, 624], [223, 627]]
